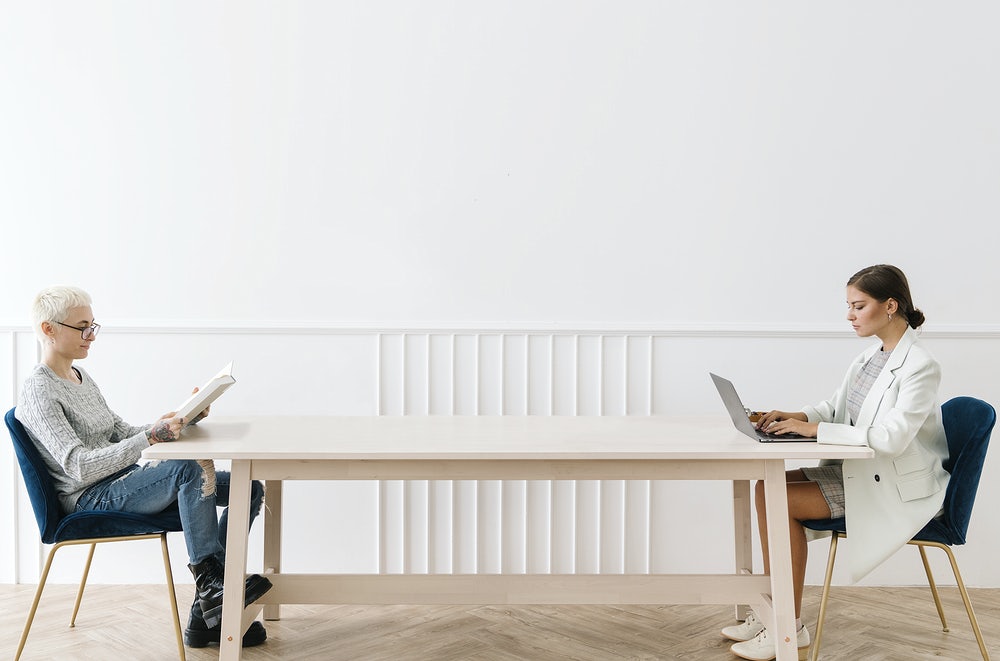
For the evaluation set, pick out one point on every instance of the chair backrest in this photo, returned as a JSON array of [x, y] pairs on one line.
[[37, 480], [968, 423]]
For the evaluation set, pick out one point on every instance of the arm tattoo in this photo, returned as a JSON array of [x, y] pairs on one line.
[[161, 431]]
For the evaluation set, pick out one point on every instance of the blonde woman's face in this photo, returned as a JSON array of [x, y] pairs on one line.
[[66, 339]]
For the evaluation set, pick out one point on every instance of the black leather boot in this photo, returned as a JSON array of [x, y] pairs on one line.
[[208, 583], [199, 634]]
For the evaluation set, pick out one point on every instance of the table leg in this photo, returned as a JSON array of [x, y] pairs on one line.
[[780, 550], [231, 642], [743, 528], [272, 539]]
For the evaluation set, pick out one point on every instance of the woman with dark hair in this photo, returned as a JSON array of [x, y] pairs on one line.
[[887, 401]]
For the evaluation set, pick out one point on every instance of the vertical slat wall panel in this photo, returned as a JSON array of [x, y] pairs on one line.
[[416, 529], [465, 493], [391, 401], [464, 522], [614, 401], [490, 375], [587, 506], [515, 526], [440, 374], [416, 374], [489, 379], [637, 539], [440, 401], [539, 376], [465, 367], [562, 506], [538, 527], [638, 377], [516, 393], [416, 401], [563, 366], [612, 527], [392, 541], [439, 526]]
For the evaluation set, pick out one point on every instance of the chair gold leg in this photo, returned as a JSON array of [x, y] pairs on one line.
[[83, 584], [965, 599], [933, 585], [173, 596], [34, 603], [826, 594]]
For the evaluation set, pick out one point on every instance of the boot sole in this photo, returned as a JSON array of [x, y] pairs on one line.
[[255, 635]]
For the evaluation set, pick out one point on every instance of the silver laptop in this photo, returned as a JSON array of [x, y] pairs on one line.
[[740, 418]]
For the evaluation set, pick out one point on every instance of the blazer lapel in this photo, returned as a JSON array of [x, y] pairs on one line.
[[874, 399]]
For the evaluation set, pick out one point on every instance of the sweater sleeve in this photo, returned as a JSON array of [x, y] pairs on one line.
[[82, 460], [125, 431]]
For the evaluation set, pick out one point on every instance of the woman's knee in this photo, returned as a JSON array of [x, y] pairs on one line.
[[791, 477], [190, 472], [806, 502]]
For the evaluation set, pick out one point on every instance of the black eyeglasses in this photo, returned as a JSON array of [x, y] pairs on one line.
[[87, 332]]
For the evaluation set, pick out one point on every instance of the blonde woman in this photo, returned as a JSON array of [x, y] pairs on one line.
[[92, 455]]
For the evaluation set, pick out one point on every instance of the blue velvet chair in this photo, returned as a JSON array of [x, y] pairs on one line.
[[968, 423], [90, 527]]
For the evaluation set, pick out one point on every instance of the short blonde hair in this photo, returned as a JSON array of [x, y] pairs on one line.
[[53, 304]]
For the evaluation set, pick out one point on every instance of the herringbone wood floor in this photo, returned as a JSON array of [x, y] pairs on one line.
[[131, 622]]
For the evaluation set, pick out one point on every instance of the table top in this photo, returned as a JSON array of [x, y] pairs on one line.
[[371, 438]]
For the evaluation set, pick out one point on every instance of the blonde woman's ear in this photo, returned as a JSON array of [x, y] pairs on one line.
[[49, 331]]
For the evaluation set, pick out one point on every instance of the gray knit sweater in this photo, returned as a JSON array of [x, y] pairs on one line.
[[81, 440]]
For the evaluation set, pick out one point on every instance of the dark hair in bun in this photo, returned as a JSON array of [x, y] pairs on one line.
[[883, 282]]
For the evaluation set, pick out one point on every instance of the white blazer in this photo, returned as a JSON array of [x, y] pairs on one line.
[[890, 497]]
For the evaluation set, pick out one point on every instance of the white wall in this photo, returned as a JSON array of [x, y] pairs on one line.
[[708, 172], [525, 161]]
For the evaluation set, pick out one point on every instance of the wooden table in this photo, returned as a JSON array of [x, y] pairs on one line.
[[276, 448]]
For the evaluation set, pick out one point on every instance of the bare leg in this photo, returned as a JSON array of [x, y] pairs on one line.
[[805, 502]]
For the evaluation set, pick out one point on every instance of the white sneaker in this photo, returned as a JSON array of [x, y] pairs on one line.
[[745, 631], [761, 648]]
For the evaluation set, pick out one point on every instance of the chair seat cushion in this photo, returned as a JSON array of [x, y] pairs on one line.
[[935, 531], [832, 525], [89, 524]]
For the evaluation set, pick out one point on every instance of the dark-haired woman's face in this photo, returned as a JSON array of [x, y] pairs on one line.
[[867, 315]]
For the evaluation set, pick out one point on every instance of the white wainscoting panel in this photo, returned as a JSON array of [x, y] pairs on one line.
[[510, 526], [584, 526]]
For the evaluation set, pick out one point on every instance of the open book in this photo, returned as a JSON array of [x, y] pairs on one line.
[[207, 394]]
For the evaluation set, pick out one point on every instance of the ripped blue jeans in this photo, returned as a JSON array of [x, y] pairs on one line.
[[153, 487]]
